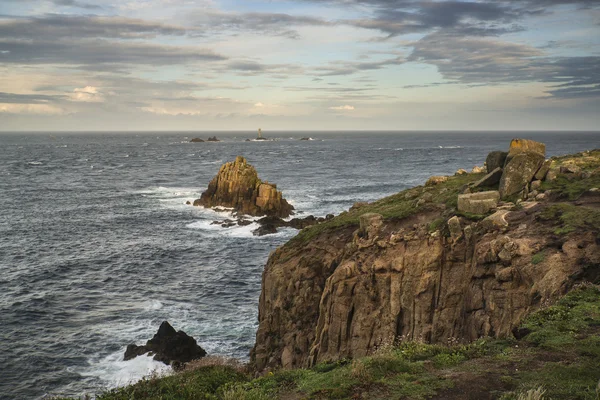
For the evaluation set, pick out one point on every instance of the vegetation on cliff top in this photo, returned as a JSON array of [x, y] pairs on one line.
[[397, 206], [560, 353]]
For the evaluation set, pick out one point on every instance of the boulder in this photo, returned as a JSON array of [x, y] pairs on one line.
[[490, 179], [495, 160], [541, 174], [196, 140], [518, 172], [518, 146], [496, 220], [478, 203], [168, 346], [436, 180], [212, 139], [237, 186]]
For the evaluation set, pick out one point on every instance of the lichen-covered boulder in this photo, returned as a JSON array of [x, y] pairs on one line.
[[518, 172], [518, 146], [237, 186]]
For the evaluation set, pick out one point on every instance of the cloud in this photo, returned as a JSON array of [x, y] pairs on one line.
[[342, 108], [274, 24], [491, 61], [88, 94], [99, 53], [76, 27], [336, 68], [64, 3], [14, 98]]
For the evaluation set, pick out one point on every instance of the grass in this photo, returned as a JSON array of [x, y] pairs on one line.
[[571, 218], [538, 258], [571, 187], [395, 207], [559, 359]]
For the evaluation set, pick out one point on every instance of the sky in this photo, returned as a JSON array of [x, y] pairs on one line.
[[134, 65]]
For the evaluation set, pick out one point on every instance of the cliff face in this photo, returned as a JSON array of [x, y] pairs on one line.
[[416, 270], [237, 186]]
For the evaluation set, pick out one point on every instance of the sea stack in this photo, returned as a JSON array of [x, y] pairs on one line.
[[237, 186]]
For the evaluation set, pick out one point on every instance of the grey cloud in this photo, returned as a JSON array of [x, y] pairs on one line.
[[348, 68], [14, 98], [264, 23], [65, 3], [100, 52], [482, 18], [78, 4], [486, 61], [250, 68], [58, 27]]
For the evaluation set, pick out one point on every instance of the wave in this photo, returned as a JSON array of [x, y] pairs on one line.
[[35, 163], [114, 372]]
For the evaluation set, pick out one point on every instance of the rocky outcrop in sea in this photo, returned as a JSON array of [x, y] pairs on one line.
[[237, 186], [169, 346]]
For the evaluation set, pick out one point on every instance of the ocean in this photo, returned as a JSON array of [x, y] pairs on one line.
[[97, 245]]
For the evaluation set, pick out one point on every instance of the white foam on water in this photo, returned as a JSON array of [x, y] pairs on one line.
[[115, 372], [236, 231], [153, 305], [35, 163]]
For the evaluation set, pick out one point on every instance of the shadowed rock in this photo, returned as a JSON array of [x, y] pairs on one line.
[[495, 159], [490, 179]]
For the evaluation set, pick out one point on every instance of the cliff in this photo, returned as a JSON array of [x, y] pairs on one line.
[[415, 266], [237, 186]]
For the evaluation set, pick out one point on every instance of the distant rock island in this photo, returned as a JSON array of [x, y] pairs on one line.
[[237, 186], [210, 139]]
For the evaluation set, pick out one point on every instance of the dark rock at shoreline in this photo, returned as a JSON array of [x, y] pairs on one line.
[[196, 140], [237, 186], [168, 346], [306, 138], [212, 139], [269, 225]]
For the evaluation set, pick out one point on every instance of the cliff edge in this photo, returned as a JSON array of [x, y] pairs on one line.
[[420, 266]]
